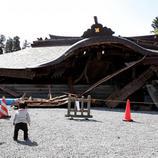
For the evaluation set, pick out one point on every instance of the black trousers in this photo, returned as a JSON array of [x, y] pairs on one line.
[[23, 127]]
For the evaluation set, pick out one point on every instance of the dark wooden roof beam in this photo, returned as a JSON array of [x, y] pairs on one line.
[[26, 74]]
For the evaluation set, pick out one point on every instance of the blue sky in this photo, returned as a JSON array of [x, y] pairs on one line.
[[30, 19]]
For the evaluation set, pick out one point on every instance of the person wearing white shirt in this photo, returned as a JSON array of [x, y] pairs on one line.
[[20, 121]]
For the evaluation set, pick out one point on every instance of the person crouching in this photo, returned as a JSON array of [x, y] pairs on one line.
[[20, 121]]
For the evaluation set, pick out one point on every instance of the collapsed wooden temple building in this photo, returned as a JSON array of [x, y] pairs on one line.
[[108, 67]]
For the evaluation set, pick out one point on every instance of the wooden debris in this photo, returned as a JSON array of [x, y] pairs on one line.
[[39, 102], [113, 75], [130, 88], [9, 91]]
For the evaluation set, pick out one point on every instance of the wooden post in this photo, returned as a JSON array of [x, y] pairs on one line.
[[75, 108], [50, 94], [69, 105], [82, 105], [88, 104]]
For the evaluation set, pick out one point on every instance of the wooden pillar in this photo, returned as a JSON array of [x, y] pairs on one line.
[[49, 93], [82, 105], [88, 104], [69, 105], [71, 85], [75, 108]]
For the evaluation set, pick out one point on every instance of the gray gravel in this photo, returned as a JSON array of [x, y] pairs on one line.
[[52, 135]]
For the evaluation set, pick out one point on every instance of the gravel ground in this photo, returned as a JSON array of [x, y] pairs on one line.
[[52, 135]]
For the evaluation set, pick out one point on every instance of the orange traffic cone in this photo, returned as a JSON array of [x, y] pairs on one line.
[[3, 109], [127, 116]]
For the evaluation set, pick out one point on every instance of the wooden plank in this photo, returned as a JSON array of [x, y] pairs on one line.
[[11, 92], [153, 92], [113, 75], [129, 89], [42, 91]]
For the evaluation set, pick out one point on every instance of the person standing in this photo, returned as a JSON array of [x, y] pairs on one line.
[[20, 121]]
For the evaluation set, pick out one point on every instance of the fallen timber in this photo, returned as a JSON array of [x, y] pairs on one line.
[[130, 88], [153, 92], [113, 75], [39, 102]]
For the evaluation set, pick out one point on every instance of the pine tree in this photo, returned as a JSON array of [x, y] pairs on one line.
[[2, 40], [9, 45], [155, 25], [16, 44]]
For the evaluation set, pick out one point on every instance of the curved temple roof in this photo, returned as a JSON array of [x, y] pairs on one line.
[[102, 40], [31, 57], [44, 56]]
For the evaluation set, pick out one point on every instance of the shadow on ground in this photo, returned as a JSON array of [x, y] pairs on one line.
[[1, 143], [28, 142], [6, 117], [84, 120]]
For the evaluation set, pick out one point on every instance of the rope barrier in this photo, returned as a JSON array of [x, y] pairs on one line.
[[118, 101], [121, 101]]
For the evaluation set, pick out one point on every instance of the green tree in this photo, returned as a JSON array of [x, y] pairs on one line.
[[9, 45], [2, 40], [16, 44], [155, 25]]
